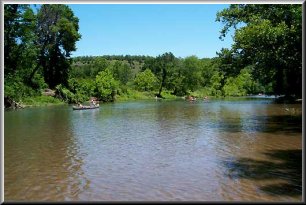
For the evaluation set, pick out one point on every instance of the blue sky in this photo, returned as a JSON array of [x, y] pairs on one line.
[[149, 29]]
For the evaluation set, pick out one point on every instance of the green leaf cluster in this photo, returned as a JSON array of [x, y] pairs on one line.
[[146, 81], [267, 37], [107, 86]]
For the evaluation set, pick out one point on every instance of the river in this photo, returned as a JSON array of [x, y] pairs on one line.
[[220, 150]]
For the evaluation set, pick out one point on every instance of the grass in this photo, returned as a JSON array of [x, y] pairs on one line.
[[129, 95], [41, 101], [201, 93], [138, 95], [134, 95], [167, 95]]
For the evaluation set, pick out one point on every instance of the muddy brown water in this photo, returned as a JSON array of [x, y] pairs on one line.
[[221, 150]]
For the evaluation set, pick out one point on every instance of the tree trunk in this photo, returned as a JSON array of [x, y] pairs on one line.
[[163, 83]]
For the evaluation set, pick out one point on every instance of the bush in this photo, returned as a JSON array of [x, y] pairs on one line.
[[145, 81], [41, 100], [15, 89], [107, 86], [65, 94], [202, 92], [168, 95], [38, 82], [232, 88], [241, 85]]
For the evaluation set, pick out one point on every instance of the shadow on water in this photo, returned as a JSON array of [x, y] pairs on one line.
[[283, 165], [287, 124], [282, 123]]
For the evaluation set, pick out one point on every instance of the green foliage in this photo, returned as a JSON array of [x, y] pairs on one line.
[[230, 63], [180, 88], [107, 86], [57, 33], [245, 81], [231, 88], [37, 47], [168, 94], [19, 36], [145, 81], [82, 88], [268, 37], [265, 57], [163, 68], [192, 73], [208, 68], [38, 82], [41, 101], [121, 72], [242, 85], [65, 94], [131, 94], [200, 77], [16, 89], [216, 85], [203, 92]]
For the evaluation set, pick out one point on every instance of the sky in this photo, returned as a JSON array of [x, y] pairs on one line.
[[149, 29]]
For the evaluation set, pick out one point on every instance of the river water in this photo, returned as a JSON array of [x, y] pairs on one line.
[[221, 150]]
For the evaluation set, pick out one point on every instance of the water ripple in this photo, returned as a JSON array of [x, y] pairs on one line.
[[165, 151]]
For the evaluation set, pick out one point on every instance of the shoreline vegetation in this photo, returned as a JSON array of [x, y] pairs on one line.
[[39, 69], [43, 100]]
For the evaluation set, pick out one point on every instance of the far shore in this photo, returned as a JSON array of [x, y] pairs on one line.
[[41, 101]]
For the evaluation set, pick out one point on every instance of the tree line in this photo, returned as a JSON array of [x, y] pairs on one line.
[[266, 57], [177, 76], [37, 47]]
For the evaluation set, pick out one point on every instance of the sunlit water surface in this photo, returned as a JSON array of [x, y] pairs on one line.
[[241, 150]]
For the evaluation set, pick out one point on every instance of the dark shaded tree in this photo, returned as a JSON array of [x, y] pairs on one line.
[[57, 31], [19, 49], [163, 67], [270, 37]]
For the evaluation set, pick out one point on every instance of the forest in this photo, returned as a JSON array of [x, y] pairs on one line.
[[265, 57]]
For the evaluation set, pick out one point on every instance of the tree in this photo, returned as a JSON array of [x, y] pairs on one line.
[[20, 52], [231, 88], [192, 73], [230, 63], [106, 85], [239, 86], [99, 64], [57, 31], [177, 79], [270, 38], [208, 68], [163, 67], [19, 36], [122, 72], [145, 81], [215, 83]]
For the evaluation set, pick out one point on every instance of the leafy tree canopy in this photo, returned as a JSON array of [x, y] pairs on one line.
[[270, 38]]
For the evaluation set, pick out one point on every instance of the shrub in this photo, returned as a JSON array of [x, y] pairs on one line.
[[107, 86], [145, 81], [65, 94]]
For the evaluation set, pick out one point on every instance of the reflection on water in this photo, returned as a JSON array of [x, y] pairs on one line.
[[155, 150], [41, 157]]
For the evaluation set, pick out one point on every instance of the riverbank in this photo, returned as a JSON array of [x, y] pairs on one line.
[[132, 95], [42, 101], [137, 95], [35, 101]]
